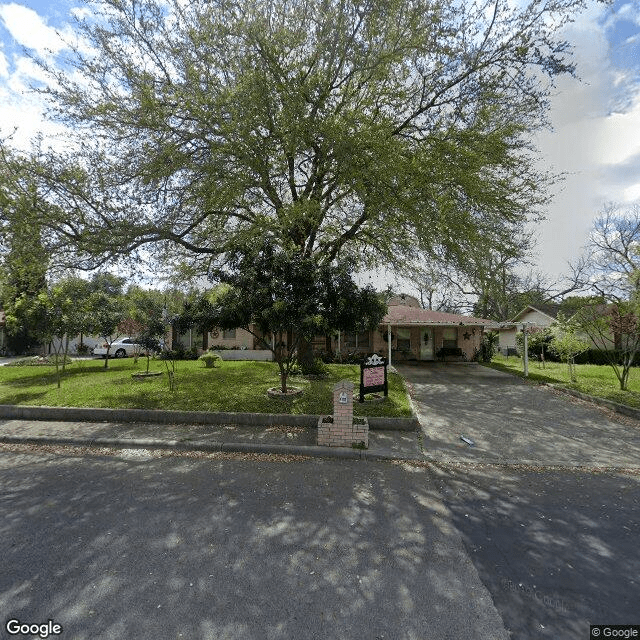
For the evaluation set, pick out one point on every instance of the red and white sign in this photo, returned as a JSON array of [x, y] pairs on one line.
[[373, 377]]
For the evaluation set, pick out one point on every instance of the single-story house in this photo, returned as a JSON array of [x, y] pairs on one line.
[[415, 334], [408, 332], [539, 316]]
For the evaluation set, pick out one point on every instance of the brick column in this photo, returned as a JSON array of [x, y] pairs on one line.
[[342, 432]]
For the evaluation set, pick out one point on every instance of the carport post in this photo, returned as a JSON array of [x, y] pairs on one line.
[[389, 342], [526, 351]]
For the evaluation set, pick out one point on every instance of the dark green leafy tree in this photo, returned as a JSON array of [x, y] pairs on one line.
[[105, 313], [147, 319], [366, 131], [24, 259], [282, 299]]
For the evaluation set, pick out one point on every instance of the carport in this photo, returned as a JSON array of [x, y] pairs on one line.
[[414, 334]]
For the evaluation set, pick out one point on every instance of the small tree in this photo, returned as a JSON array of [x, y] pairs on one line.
[[615, 330], [538, 342], [274, 294], [146, 311], [488, 347], [566, 344], [105, 315]]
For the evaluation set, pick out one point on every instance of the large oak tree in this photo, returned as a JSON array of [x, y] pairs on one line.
[[366, 130]]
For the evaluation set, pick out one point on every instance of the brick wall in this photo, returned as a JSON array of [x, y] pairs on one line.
[[342, 432]]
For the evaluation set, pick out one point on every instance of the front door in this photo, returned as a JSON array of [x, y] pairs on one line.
[[426, 344]]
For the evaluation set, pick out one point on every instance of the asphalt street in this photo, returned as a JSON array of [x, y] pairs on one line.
[[135, 546], [558, 550]]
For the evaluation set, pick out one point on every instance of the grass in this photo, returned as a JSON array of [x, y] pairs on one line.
[[595, 380], [234, 386]]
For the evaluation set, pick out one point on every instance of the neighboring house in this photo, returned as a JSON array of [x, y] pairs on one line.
[[539, 316], [542, 316]]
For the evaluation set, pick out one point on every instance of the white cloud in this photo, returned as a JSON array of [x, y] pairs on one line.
[[4, 66], [29, 30], [594, 140]]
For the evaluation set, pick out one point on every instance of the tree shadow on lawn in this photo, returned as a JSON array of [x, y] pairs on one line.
[[22, 398], [47, 375]]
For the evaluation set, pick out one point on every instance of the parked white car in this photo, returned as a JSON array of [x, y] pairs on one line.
[[121, 348]]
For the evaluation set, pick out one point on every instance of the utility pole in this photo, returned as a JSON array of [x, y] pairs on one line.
[[526, 351]]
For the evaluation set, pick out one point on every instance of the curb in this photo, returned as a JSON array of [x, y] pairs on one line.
[[85, 414], [228, 447], [608, 404]]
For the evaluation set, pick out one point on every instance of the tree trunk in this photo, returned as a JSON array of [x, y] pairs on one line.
[[283, 377], [305, 355]]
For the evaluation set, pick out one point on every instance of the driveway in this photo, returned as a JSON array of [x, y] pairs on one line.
[[513, 421]]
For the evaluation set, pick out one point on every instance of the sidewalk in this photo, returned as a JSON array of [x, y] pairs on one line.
[[274, 439]]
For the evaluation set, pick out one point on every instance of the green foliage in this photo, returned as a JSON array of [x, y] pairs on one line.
[[315, 368], [210, 359], [615, 330], [488, 347], [567, 344], [25, 259], [274, 293], [538, 342], [340, 129]]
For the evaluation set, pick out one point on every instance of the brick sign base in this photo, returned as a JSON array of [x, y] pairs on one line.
[[342, 431]]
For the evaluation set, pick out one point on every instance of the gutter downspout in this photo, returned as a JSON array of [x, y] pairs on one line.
[[389, 342]]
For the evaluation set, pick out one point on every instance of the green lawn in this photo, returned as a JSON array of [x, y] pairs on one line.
[[592, 379], [234, 386]]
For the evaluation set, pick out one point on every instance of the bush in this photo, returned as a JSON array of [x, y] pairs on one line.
[[179, 353], [210, 359], [487, 349], [82, 349], [599, 357], [316, 368]]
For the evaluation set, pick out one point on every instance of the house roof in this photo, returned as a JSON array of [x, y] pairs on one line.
[[402, 314], [550, 310]]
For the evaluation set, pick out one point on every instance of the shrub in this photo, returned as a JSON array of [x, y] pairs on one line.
[[316, 368], [82, 349], [487, 348], [600, 357], [210, 359]]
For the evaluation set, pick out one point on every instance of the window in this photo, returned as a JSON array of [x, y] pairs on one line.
[[357, 340], [450, 337], [364, 339], [228, 334], [404, 340], [350, 339]]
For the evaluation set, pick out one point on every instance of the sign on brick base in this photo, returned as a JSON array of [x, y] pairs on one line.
[[341, 430]]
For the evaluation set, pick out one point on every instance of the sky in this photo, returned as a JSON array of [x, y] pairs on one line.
[[594, 140]]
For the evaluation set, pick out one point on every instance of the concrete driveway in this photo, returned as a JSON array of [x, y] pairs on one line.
[[513, 421]]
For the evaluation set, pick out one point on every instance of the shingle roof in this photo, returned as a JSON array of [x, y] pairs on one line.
[[400, 314], [550, 310]]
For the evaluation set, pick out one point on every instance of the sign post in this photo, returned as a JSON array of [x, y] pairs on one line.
[[373, 376]]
